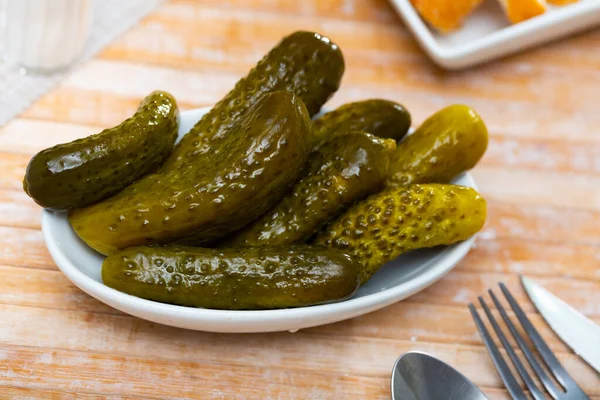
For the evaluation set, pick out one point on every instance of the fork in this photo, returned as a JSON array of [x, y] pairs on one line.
[[569, 390]]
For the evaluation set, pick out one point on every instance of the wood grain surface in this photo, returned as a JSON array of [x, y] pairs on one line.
[[541, 177]]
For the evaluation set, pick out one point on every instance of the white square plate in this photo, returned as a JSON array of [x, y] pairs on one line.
[[487, 34]]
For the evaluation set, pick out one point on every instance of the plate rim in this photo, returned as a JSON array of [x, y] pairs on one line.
[[237, 319], [344, 309]]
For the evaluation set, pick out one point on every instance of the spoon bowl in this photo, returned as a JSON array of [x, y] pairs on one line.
[[419, 376]]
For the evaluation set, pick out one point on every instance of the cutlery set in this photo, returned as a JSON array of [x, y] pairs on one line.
[[418, 376]]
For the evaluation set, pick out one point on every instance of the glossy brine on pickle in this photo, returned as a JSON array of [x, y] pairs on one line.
[[85, 171], [233, 279], [339, 173], [241, 178], [382, 118], [304, 63]]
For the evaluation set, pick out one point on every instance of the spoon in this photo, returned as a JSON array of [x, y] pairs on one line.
[[419, 376]]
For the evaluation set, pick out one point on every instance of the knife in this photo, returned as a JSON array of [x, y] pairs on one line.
[[576, 330]]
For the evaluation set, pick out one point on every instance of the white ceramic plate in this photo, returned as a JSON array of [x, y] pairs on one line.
[[487, 33], [395, 281]]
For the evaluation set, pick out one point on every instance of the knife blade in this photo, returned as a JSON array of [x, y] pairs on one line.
[[575, 329]]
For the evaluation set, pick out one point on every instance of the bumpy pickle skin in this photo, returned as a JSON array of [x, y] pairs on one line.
[[233, 279], [305, 63], [401, 219], [222, 191], [448, 143], [339, 173], [85, 171], [382, 118]]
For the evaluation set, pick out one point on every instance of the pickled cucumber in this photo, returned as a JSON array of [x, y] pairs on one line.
[[340, 172], [449, 142], [87, 170], [304, 63], [218, 193], [381, 118], [233, 279], [400, 219]]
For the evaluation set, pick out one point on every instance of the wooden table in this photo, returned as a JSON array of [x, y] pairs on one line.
[[541, 177]]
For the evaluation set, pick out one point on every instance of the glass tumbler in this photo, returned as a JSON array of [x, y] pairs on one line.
[[45, 36]]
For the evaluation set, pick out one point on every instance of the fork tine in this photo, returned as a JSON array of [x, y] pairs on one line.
[[507, 377], [546, 381], [535, 391], [553, 364]]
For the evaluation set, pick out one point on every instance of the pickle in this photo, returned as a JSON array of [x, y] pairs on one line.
[[233, 279], [448, 143], [305, 63], [381, 118], [85, 171], [240, 179], [400, 219]]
